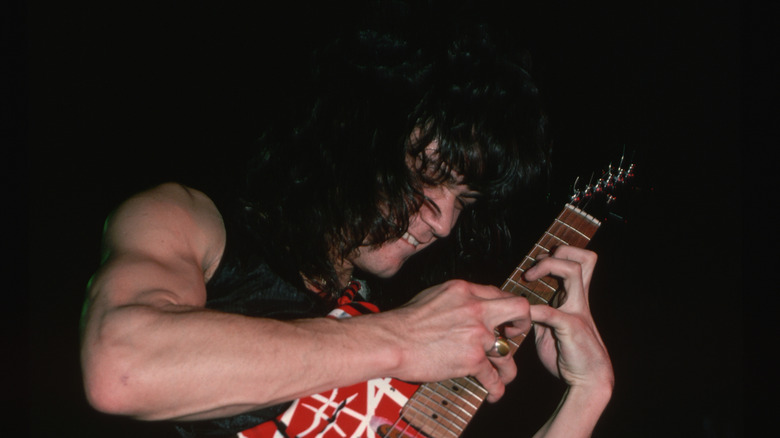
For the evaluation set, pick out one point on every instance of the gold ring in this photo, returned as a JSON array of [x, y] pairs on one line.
[[500, 347]]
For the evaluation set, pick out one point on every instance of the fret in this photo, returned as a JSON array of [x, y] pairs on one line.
[[534, 295], [552, 288], [456, 406], [440, 409], [536, 289], [584, 215], [531, 286], [584, 223], [472, 388], [469, 406], [428, 419], [542, 247], [443, 407], [514, 284], [547, 233], [572, 228]]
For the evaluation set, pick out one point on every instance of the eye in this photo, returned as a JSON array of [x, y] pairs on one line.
[[467, 199]]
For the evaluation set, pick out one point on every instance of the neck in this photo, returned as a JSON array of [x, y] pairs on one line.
[[343, 274]]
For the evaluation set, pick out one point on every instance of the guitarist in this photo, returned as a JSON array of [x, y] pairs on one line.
[[210, 313]]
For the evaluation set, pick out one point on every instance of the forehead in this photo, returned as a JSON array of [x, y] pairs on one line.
[[459, 148], [433, 168]]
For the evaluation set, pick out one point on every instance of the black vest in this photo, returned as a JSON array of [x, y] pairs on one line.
[[243, 283]]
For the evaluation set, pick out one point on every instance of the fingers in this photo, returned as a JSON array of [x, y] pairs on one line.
[[586, 259], [489, 378], [573, 265], [544, 314], [518, 327], [505, 367], [457, 319], [495, 374], [494, 306], [512, 313]]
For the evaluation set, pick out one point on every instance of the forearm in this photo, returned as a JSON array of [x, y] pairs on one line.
[[192, 363], [577, 414]]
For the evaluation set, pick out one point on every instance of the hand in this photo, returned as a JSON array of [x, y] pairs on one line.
[[568, 343], [448, 328]]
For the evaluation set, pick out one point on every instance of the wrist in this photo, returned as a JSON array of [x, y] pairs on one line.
[[374, 333], [578, 412], [593, 396]]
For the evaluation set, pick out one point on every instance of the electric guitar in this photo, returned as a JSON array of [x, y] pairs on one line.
[[391, 408]]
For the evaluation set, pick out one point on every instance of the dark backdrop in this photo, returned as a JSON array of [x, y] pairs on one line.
[[120, 97]]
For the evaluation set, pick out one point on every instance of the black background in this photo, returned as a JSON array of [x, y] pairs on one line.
[[108, 99]]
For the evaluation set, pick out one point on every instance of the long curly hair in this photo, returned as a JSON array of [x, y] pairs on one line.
[[334, 173]]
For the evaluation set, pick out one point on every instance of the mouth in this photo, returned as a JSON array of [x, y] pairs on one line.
[[409, 238]]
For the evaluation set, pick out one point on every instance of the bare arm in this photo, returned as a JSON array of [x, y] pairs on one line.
[[152, 351], [570, 347]]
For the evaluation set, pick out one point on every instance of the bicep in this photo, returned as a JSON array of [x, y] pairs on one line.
[[159, 248], [129, 279]]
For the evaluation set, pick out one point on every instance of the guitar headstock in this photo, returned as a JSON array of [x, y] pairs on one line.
[[598, 197]]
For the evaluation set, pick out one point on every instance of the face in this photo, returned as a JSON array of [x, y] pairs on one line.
[[428, 224]]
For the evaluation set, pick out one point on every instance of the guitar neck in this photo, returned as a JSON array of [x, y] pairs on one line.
[[572, 227], [444, 409]]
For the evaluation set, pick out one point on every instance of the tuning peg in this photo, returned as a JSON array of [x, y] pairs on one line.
[[588, 192], [630, 172]]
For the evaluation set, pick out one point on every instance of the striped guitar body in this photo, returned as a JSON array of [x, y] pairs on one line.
[[376, 408], [361, 410], [390, 408]]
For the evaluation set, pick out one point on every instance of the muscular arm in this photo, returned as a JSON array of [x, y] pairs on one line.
[[150, 349]]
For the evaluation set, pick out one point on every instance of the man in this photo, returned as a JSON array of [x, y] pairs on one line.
[[203, 312]]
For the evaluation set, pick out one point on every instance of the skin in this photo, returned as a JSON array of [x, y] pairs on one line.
[[150, 350]]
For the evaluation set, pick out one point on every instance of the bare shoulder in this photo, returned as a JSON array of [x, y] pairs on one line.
[[168, 221]]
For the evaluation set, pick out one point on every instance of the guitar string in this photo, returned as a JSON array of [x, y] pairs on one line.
[[446, 401], [456, 386], [552, 230], [438, 404], [571, 218], [569, 222], [435, 419], [445, 404]]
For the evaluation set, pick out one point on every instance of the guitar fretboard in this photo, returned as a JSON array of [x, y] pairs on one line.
[[444, 409]]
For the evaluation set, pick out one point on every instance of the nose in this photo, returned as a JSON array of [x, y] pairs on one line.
[[441, 210]]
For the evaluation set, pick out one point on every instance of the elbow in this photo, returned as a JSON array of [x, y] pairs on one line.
[[112, 376], [114, 365], [112, 391], [106, 389], [99, 396]]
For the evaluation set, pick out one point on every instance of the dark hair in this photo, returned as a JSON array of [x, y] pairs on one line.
[[334, 175]]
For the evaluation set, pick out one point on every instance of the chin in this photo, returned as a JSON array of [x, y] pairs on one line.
[[387, 273], [388, 270]]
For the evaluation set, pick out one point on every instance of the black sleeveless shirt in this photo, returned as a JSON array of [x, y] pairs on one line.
[[244, 284]]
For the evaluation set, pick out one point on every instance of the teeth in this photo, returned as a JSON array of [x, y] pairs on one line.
[[409, 238]]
